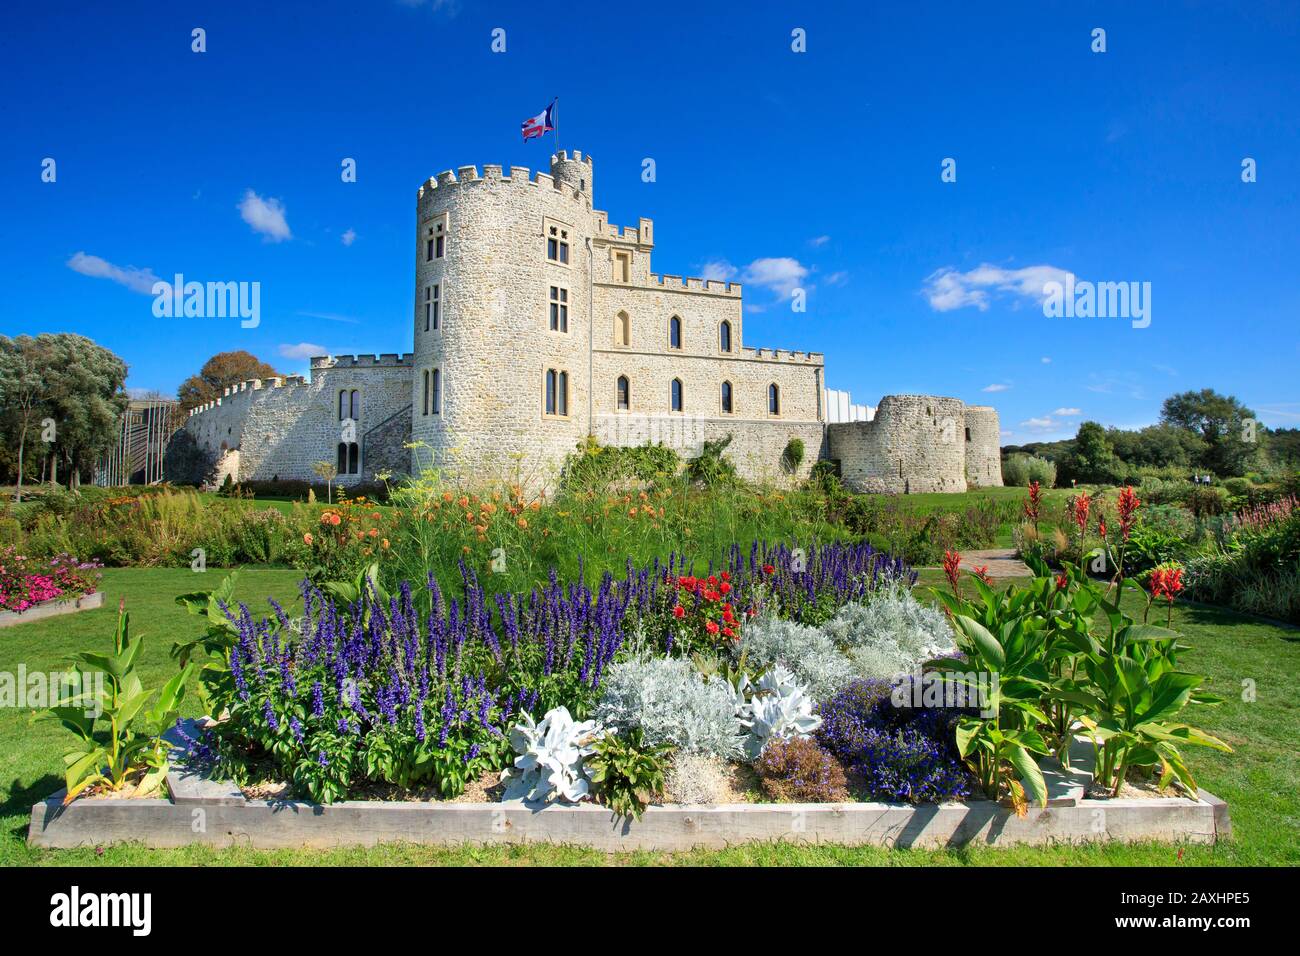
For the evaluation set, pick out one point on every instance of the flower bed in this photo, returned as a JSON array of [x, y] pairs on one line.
[[27, 583], [788, 674]]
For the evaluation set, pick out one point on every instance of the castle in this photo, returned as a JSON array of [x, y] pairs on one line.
[[538, 323]]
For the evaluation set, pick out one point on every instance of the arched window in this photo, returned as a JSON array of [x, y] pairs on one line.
[[623, 330], [774, 399], [435, 397], [674, 333], [349, 455], [726, 397], [724, 336], [424, 403], [343, 405], [624, 394], [556, 399], [676, 396], [349, 404]]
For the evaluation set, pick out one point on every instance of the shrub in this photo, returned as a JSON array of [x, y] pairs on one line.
[[698, 778], [893, 753], [672, 703], [626, 775], [1205, 500], [710, 468], [797, 770], [1043, 544], [594, 467], [792, 457], [1021, 470], [890, 634], [810, 654]]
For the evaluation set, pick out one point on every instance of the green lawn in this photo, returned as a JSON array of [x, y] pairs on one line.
[[1261, 781]]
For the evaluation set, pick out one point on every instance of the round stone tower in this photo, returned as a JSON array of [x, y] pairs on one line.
[[501, 379], [983, 447]]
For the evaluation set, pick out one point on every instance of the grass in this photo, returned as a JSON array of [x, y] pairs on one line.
[[1260, 781]]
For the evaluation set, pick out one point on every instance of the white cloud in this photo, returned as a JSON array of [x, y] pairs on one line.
[[349, 237], [995, 387], [947, 289], [1068, 412], [137, 280], [1044, 424], [1047, 360], [331, 317], [819, 241], [719, 271], [782, 275], [837, 278], [302, 350], [265, 216]]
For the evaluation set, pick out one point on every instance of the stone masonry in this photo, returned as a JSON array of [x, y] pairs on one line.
[[537, 323]]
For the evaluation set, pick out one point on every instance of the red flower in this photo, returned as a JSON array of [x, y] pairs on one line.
[[1035, 499], [1062, 582], [768, 569], [726, 575], [724, 588], [727, 613], [1101, 525], [711, 627], [679, 611], [1079, 506], [981, 571], [951, 564], [1128, 506], [752, 612]]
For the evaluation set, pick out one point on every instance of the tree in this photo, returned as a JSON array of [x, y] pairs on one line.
[[1091, 459], [326, 471], [86, 399], [69, 380], [22, 391], [218, 373], [1231, 431]]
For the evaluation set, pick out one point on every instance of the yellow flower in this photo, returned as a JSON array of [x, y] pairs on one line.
[[523, 522]]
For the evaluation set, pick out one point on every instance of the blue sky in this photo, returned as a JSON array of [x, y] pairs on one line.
[[818, 169]]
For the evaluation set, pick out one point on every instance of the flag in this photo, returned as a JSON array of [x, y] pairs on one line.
[[539, 124]]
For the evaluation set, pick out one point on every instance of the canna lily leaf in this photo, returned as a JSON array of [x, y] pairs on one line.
[[986, 644], [1030, 774]]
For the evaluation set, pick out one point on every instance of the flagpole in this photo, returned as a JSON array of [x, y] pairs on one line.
[[557, 125]]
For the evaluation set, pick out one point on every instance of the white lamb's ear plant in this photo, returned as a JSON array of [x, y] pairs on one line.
[[551, 755], [777, 707]]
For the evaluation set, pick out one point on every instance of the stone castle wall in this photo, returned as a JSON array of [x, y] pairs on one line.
[[915, 444], [279, 428], [983, 447]]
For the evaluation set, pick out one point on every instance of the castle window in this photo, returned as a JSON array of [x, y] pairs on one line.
[[674, 333], [556, 401], [557, 244], [559, 309], [774, 399], [624, 394], [435, 392], [676, 395], [435, 241], [724, 336], [349, 458], [623, 330], [726, 397], [968, 433], [432, 307], [349, 404], [622, 271], [424, 402]]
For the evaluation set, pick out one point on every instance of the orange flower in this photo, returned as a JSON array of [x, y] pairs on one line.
[[307, 538], [384, 544], [335, 520], [536, 505], [374, 532], [463, 502], [446, 496], [523, 522]]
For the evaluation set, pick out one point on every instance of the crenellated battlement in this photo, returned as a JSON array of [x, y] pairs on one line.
[[784, 355], [243, 391], [690, 283], [642, 234], [494, 175], [384, 360]]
